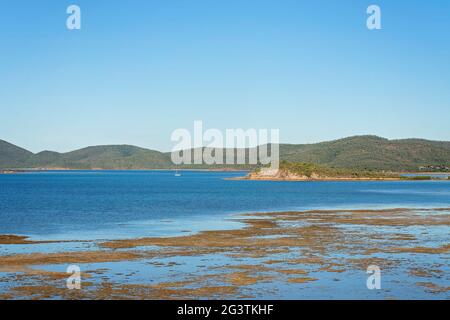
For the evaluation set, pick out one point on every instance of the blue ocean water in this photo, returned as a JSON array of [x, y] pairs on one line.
[[120, 204]]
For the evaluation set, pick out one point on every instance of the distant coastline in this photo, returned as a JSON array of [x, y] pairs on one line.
[[251, 178], [357, 152], [251, 175], [15, 171]]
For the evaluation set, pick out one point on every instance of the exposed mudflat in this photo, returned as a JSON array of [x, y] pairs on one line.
[[290, 255]]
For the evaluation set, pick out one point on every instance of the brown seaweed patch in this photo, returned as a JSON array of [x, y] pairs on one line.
[[432, 287], [292, 271], [426, 250], [19, 260], [426, 273], [240, 278], [308, 259], [406, 237], [249, 267], [363, 263], [15, 239], [301, 280], [331, 268], [249, 252], [165, 290], [216, 238]]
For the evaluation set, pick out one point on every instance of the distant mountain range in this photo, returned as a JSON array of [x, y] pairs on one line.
[[360, 152]]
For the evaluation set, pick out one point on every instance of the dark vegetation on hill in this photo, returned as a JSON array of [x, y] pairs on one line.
[[101, 157], [12, 156], [371, 153], [359, 152], [309, 170]]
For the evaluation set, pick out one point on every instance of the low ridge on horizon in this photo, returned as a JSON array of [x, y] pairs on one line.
[[360, 151]]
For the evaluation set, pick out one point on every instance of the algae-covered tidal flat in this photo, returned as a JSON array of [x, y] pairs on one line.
[[281, 255]]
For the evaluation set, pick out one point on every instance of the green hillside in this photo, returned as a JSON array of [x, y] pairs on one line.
[[359, 152], [12, 156], [311, 171], [370, 152], [102, 157]]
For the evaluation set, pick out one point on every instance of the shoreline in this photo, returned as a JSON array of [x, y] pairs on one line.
[[15, 171], [246, 177], [281, 175], [317, 179], [332, 179]]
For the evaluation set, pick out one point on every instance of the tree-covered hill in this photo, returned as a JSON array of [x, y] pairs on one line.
[[12, 156], [358, 152], [371, 152]]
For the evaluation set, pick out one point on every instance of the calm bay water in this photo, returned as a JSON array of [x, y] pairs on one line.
[[118, 204], [90, 205]]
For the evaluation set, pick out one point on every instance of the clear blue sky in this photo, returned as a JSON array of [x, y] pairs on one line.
[[137, 70]]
